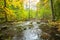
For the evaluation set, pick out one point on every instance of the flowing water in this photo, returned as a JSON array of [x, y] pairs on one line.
[[32, 33]]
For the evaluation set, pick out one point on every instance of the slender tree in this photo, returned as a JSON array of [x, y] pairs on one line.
[[52, 8], [4, 8], [29, 9]]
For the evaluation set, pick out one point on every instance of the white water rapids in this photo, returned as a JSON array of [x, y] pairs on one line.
[[33, 33]]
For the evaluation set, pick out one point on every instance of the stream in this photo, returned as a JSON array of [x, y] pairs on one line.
[[33, 33]]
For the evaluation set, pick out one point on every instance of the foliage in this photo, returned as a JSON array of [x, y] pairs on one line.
[[44, 9], [15, 10], [57, 9]]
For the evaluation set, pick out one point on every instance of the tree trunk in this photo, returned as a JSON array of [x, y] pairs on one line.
[[29, 9], [4, 8], [53, 14]]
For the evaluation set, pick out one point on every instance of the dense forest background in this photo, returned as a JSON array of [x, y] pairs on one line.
[[13, 10]]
